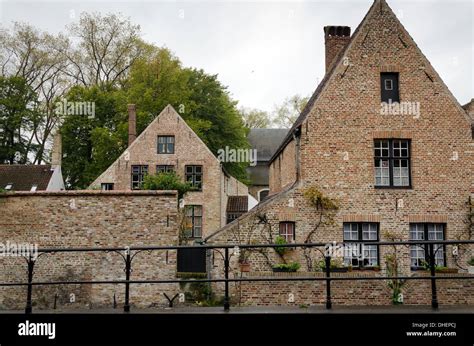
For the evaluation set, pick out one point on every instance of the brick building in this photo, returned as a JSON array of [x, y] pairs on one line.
[[384, 137], [168, 143]]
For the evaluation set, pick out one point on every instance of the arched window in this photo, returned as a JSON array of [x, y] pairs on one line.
[[262, 194]]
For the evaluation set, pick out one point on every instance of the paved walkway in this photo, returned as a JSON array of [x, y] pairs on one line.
[[458, 309]]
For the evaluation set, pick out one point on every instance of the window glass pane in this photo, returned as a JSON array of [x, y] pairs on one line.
[[417, 256], [198, 210], [189, 211], [417, 231], [197, 232], [439, 255], [382, 172], [351, 254], [435, 232], [370, 255], [369, 231], [347, 231]]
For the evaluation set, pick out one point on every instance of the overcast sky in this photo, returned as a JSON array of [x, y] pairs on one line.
[[265, 51]]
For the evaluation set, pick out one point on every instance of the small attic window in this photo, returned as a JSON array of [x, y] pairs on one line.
[[34, 187], [389, 87], [9, 186]]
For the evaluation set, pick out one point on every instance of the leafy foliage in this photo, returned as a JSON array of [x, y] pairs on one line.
[[166, 181], [18, 117], [255, 119], [281, 250], [289, 110], [108, 63], [291, 267]]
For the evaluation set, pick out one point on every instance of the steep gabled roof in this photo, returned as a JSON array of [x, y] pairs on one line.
[[23, 177], [377, 4], [266, 141], [469, 108], [237, 204]]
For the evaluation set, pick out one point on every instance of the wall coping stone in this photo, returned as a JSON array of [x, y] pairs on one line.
[[69, 193]]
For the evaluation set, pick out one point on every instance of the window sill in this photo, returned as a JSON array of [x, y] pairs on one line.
[[393, 187], [366, 269]]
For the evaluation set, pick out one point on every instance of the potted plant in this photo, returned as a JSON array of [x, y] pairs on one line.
[[336, 266], [440, 269], [286, 267], [446, 270], [470, 269]]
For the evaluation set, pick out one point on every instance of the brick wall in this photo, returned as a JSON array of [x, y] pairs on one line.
[[283, 168], [89, 219]]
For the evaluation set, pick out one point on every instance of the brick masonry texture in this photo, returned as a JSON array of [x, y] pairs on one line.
[[189, 150], [333, 150], [89, 219]]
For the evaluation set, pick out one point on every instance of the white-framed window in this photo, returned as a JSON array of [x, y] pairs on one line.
[[34, 187]]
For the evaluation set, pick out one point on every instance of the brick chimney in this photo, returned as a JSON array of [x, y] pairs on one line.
[[132, 124], [56, 150], [336, 39]]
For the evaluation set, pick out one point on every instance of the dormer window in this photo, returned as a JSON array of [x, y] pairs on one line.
[[34, 187], [389, 87], [9, 186]]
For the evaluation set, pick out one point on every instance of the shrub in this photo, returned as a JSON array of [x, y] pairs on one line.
[[166, 181], [280, 241], [291, 267]]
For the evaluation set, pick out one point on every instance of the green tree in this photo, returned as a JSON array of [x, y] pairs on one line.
[[18, 116], [204, 103], [92, 143], [286, 113], [255, 118]]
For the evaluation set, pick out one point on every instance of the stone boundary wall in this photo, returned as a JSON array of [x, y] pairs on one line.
[[73, 219]]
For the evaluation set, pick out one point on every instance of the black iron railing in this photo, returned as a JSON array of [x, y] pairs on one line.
[[129, 253]]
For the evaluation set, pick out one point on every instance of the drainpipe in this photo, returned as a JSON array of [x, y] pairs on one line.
[[297, 139]]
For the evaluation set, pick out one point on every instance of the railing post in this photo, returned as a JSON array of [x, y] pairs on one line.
[[328, 282], [31, 267], [226, 275], [434, 295], [128, 267]]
